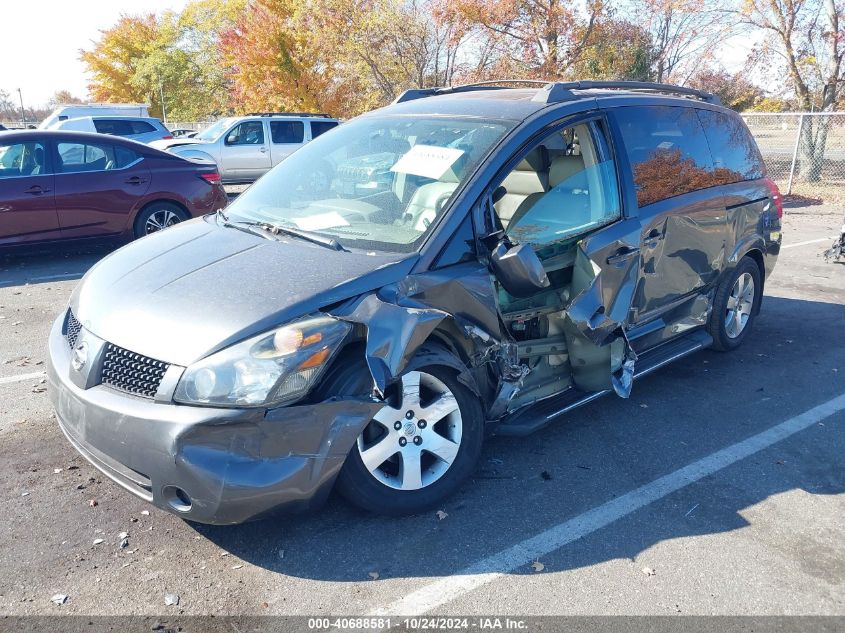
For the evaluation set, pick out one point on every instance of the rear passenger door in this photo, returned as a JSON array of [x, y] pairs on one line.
[[98, 186], [286, 137], [681, 210]]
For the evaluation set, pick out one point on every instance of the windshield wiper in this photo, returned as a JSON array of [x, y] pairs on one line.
[[275, 229]]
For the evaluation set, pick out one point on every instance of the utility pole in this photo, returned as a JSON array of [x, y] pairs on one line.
[[161, 94], [23, 112]]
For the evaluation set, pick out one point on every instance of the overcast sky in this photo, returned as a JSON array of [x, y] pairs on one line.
[[39, 48]]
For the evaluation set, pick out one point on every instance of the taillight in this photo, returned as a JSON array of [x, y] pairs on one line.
[[211, 177], [166, 138], [776, 197]]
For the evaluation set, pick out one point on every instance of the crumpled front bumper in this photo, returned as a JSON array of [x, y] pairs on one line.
[[231, 464]]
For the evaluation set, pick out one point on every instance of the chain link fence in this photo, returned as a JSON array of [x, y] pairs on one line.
[[804, 151]]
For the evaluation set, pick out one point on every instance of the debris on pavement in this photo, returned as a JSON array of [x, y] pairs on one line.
[[59, 599], [373, 575], [145, 513], [441, 514], [97, 541], [237, 566], [648, 571], [538, 566], [171, 599], [93, 503], [124, 543]]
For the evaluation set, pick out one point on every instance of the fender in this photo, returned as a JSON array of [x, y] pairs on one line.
[[743, 246]]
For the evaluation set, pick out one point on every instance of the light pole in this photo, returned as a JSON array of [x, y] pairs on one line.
[[161, 93], [23, 112]]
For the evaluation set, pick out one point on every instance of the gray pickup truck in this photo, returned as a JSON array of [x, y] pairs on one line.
[[246, 147]]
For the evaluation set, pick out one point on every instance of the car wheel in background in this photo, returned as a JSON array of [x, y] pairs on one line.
[[157, 217], [735, 305], [419, 448]]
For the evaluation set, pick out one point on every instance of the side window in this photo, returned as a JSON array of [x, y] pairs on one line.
[[82, 157], [564, 187], [115, 127], [321, 127], [124, 157], [22, 159], [140, 127], [247, 133], [667, 149], [735, 153], [287, 131]]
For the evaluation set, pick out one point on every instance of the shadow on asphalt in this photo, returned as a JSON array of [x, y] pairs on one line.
[[55, 262], [523, 486]]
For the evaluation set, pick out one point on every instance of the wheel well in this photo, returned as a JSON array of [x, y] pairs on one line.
[[757, 256], [175, 203]]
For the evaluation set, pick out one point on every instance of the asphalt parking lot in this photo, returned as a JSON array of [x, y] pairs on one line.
[[718, 488]]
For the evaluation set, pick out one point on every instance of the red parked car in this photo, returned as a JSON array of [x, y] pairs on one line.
[[65, 185]]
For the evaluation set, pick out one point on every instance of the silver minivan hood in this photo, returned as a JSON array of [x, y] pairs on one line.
[[183, 293]]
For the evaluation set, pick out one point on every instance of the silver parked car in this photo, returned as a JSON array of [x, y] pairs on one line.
[[246, 147]]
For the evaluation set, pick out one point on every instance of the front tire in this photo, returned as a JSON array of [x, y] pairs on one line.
[[419, 448], [735, 306]]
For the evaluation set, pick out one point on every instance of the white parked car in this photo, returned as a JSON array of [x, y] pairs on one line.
[[246, 147], [141, 129], [74, 111]]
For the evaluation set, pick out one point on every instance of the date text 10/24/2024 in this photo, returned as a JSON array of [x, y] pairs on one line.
[[421, 623]]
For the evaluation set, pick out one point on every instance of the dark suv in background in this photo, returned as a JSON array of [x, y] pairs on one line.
[[513, 254]]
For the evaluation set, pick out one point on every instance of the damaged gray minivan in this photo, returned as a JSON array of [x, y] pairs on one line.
[[467, 260]]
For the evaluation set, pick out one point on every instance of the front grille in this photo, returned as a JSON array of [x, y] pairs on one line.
[[131, 372], [72, 330]]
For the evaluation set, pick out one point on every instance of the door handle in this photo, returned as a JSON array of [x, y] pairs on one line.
[[135, 180], [37, 190], [263, 150], [653, 237], [621, 256]]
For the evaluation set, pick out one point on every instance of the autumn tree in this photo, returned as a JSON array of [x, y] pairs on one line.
[[62, 97], [808, 36], [143, 57], [540, 39], [684, 33], [734, 90], [617, 49]]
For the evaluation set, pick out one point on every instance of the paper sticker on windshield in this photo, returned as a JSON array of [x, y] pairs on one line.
[[320, 221], [428, 161]]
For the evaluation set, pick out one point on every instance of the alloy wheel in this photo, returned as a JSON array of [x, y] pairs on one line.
[[739, 306], [414, 439], [160, 220]]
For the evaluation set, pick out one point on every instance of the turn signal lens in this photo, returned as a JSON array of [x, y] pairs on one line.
[[315, 360]]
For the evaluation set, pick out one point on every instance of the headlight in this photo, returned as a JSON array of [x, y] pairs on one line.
[[266, 370]]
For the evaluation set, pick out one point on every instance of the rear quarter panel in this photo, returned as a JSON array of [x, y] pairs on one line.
[[753, 222]]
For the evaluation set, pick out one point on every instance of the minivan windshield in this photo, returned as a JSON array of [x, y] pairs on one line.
[[213, 132], [375, 183]]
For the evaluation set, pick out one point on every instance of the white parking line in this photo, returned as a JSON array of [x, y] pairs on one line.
[[495, 566], [21, 377], [821, 239]]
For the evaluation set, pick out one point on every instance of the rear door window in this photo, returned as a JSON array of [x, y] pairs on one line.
[[735, 154], [81, 157], [667, 149], [321, 127], [141, 127], [116, 127], [287, 131]]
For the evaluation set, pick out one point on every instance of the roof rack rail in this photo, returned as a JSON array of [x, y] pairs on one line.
[[321, 115], [556, 91], [562, 91]]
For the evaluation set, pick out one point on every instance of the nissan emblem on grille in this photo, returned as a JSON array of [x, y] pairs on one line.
[[131, 372]]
